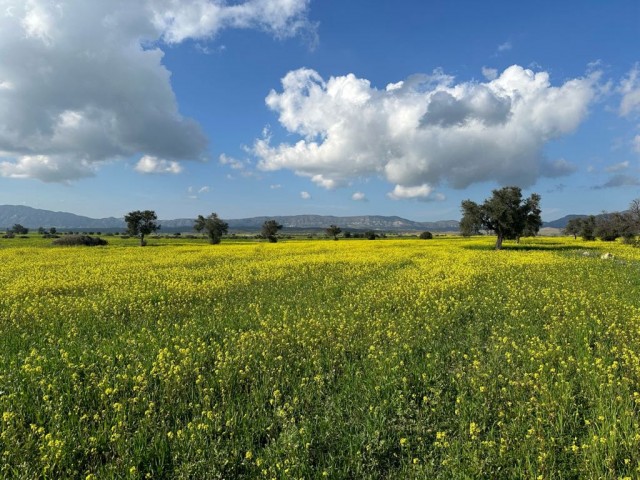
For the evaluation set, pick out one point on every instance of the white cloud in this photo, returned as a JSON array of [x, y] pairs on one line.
[[275, 186], [204, 189], [617, 167], [149, 164], [636, 143], [359, 197], [233, 163], [305, 195], [49, 169], [629, 88], [489, 73], [400, 192], [424, 131], [83, 82]]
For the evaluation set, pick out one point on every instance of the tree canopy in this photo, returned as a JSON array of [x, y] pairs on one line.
[[214, 227], [505, 213], [334, 231], [270, 229], [141, 223]]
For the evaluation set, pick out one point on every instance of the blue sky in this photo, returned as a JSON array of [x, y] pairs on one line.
[[281, 107]]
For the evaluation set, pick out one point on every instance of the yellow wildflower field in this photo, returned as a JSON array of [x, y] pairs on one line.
[[313, 359]]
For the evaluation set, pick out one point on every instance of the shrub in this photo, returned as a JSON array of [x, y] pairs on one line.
[[86, 240], [426, 236], [9, 235]]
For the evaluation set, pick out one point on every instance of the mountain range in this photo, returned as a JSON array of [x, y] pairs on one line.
[[35, 218]]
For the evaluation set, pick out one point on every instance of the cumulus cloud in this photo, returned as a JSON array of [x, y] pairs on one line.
[[359, 197], [400, 192], [424, 131], [149, 164], [629, 88], [617, 167], [305, 195], [83, 82]]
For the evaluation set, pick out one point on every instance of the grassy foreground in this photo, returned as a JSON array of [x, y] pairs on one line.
[[320, 359]]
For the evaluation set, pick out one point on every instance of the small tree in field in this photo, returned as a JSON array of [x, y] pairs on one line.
[[334, 231], [141, 223], [574, 226], [214, 227], [504, 213], [19, 229], [270, 229], [588, 228], [425, 236]]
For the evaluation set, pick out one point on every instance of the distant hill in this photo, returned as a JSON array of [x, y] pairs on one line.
[[562, 222], [34, 218]]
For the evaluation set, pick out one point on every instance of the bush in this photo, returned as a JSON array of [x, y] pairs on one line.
[[9, 235], [426, 236], [85, 240]]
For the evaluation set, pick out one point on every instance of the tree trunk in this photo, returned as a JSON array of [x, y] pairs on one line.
[[141, 240], [499, 242]]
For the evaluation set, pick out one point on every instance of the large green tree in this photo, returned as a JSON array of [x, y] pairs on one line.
[[505, 213], [141, 223], [214, 227]]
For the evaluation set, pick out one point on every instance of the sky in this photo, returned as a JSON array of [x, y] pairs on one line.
[[331, 107]]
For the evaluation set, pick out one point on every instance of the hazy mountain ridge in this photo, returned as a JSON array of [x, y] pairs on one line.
[[34, 218]]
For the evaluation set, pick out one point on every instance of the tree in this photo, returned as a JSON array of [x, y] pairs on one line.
[[213, 225], [19, 229], [41, 230], [370, 235], [471, 222], [588, 228], [505, 214], [334, 231], [53, 230], [425, 236], [270, 230], [141, 223], [574, 227]]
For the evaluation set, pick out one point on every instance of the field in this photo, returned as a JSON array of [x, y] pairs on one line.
[[320, 359]]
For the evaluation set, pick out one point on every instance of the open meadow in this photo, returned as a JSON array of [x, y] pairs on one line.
[[352, 359]]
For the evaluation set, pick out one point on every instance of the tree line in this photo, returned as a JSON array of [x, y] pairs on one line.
[[608, 226]]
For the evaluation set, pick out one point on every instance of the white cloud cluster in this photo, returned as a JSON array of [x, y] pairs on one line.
[[149, 164], [426, 130], [305, 195], [83, 82], [630, 90], [359, 197]]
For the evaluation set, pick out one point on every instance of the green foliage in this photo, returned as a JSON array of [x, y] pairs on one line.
[[213, 226], [588, 228], [425, 236], [270, 230], [19, 229], [370, 235], [141, 223], [504, 213], [334, 231], [574, 227], [79, 240]]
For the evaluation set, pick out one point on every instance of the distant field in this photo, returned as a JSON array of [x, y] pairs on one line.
[[320, 359]]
